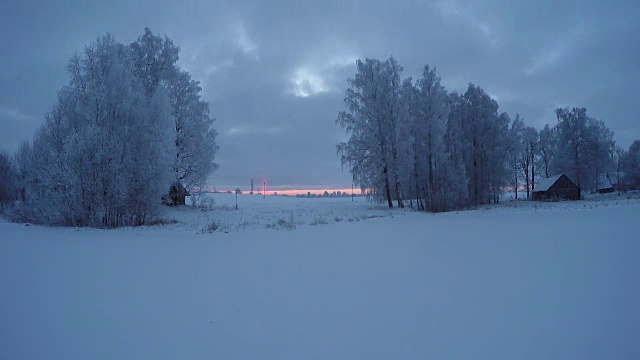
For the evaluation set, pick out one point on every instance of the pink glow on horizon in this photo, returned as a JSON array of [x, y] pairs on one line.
[[288, 192], [294, 192]]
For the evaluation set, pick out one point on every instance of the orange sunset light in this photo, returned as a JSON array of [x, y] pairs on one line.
[[294, 192], [288, 192]]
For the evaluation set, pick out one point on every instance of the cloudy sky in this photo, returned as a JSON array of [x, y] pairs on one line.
[[275, 72]]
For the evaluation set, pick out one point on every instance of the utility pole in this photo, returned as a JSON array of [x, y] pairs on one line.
[[251, 186], [264, 189], [351, 192]]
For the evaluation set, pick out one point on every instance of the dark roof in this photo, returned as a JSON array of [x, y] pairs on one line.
[[179, 189]]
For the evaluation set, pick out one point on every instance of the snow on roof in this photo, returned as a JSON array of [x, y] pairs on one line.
[[545, 184], [604, 182]]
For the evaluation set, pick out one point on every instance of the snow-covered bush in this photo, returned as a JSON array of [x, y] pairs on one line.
[[201, 200], [212, 226]]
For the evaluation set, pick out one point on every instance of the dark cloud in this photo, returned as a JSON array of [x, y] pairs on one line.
[[275, 72]]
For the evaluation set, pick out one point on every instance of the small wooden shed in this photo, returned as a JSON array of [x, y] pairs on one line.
[[616, 179], [177, 195], [559, 187], [604, 184]]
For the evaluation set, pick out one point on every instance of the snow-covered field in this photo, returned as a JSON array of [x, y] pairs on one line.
[[519, 281], [275, 212]]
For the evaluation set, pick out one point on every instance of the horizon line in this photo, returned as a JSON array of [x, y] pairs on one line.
[[285, 187], [285, 190]]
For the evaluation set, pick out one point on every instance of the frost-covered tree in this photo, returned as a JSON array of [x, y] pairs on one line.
[[527, 157], [24, 169], [447, 150], [195, 146], [498, 156], [455, 146], [572, 142], [101, 158], [408, 165], [600, 149], [392, 106], [619, 156], [584, 146], [372, 121], [155, 59], [437, 175], [631, 166], [195, 137], [515, 149], [455, 142], [546, 147], [8, 180], [399, 145], [476, 115]]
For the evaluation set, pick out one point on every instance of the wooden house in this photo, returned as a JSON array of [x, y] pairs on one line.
[[558, 187]]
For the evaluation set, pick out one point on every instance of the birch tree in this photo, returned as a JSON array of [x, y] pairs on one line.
[[100, 158], [195, 145], [527, 157], [429, 131], [546, 146], [477, 119], [572, 134], [8, 180], [618, 160], [371, 120], [631, 165], [584, 146]]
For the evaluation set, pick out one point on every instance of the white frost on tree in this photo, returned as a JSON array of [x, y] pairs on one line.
[[195, 144], [368, 152], [397, 131], [8, 181], [101, 158], [584, 147]]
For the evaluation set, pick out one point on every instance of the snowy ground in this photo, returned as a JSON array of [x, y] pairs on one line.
[[274, 212], [524, 280]]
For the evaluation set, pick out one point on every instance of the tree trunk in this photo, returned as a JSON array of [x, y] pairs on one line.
[[387, 187], [475, 181], [430, 162], [526, 175], [396, 170], [397, 174], [411, 197], [577, 164], [546, 171], [515, 179], [533, 168], [618, 180], [419, 203], [426, 195]]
